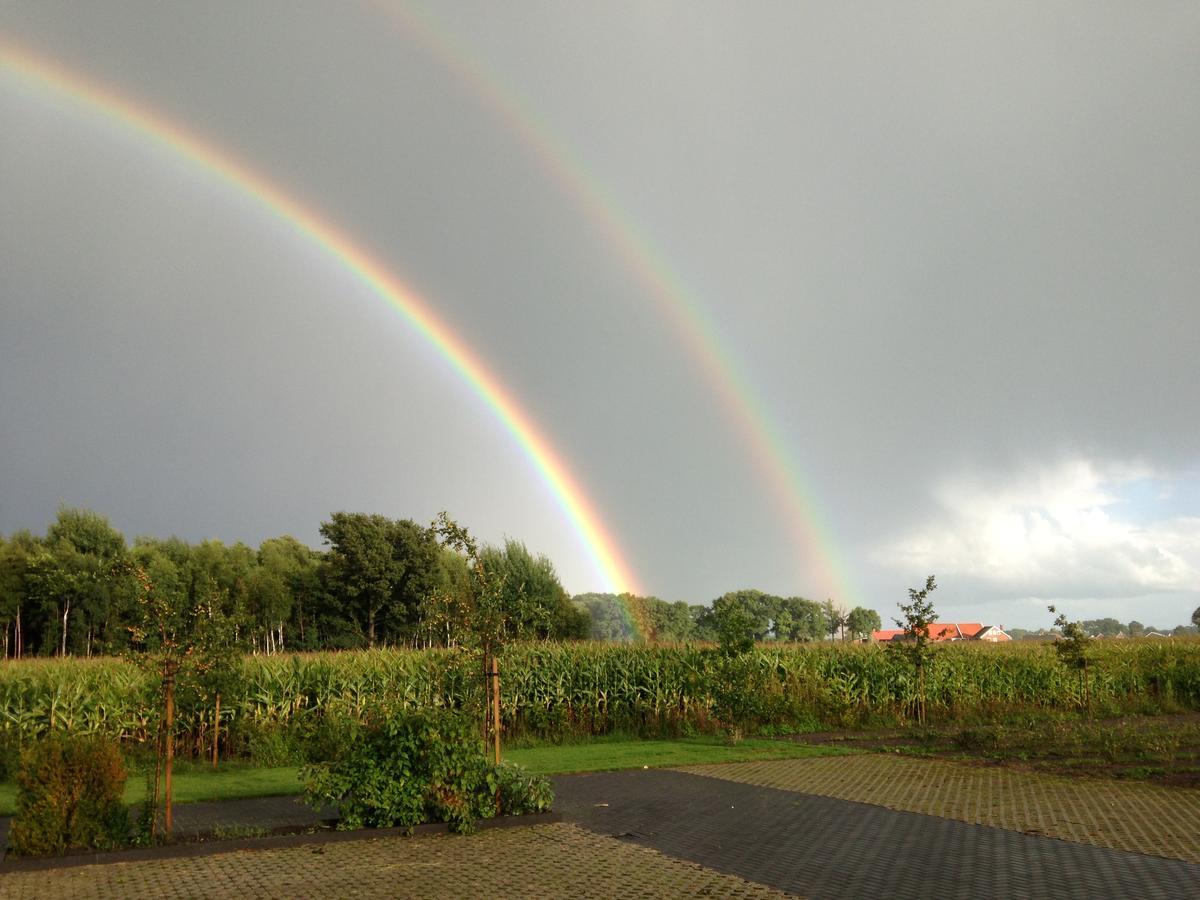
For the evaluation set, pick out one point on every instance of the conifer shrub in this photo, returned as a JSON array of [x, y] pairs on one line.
[[69, 796]]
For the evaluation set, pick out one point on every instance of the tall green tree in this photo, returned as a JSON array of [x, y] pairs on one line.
[[860, 622], [76, 578], [740, 618], [800, 620], [534, 601], [15, 556], [758, 611], [381, 570], [277, 586], [361, 567], [835, 619], [607, 619], [673, 622]]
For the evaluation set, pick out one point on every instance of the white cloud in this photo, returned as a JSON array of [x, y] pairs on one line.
[[1059, 531]]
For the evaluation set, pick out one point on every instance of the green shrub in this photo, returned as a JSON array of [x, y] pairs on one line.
[[520, 792], [329, 734], [10, 753], [405, 769], [69, 791], [266, 744]]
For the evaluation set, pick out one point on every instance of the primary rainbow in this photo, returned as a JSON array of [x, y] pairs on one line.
[[788, 488], [598, 543]]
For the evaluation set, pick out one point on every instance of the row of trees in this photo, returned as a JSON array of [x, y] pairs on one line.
[[1110, 628], [75, 591], [764, 617]]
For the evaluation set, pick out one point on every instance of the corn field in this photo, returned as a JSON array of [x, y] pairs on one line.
[[555, 690]]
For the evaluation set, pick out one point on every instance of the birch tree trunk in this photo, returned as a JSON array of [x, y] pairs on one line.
[[66, 613]]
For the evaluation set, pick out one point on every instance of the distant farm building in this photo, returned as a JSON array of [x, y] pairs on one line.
[[946, 632]]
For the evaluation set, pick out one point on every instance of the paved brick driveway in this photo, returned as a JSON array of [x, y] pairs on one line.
[[1144, 818], [828, 847], [740, 830], [542, 861]]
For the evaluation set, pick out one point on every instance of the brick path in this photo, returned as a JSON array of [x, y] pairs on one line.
[[796, 826], [1143, 818], [822, 847], [543, 861]]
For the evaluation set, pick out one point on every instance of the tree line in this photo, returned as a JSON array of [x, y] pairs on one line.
[[1110, 628], [75, 591], [760, 616]]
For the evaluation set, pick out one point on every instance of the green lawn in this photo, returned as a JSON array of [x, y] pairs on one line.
[[230, 782], [604, 756], [235, 781]]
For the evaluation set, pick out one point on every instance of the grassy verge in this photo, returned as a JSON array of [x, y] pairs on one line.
[[232, 782], [1162, 749], [235, 781], [605, 756]]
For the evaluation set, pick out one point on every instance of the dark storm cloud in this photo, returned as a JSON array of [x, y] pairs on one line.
[[948, 245]]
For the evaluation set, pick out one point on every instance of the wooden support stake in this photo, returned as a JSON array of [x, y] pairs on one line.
[[216, 728], [495, 679], [170, 738]]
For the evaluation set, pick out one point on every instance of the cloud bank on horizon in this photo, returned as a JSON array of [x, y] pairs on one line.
[[955, 255], [1072, 533]]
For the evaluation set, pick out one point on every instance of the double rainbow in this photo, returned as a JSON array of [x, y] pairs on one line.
[[810, 528]]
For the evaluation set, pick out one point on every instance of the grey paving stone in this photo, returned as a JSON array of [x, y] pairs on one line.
[[821, 847]]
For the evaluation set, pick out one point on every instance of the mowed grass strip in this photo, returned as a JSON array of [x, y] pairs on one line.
[[231, 782], [235, 781], [610, 756]]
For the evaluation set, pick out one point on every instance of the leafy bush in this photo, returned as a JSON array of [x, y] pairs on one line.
[[265, 744], [520, 792], [10, 753], [69, 796], [405, 769], [328, 735]]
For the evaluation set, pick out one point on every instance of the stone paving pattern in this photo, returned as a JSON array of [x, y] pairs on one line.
[[822, 847], [557, 860], [722, 831], [1143, 818]]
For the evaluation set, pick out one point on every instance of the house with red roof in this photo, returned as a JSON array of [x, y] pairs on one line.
[[993, 634], [945, 632]]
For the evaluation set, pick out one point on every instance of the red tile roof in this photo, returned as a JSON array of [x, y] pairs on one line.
[[938, 631]]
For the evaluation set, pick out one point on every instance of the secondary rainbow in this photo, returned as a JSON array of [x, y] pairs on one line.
[[788, 489], [336, 244]]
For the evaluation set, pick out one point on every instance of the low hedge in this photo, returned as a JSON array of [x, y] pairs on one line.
[[69, 796]]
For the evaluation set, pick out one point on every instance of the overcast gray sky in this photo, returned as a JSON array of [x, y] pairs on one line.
[[953, 251]]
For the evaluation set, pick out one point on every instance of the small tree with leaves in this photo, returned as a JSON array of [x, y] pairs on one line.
[[174, 642], [1074, 649], [485, 622], [919, 614]]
